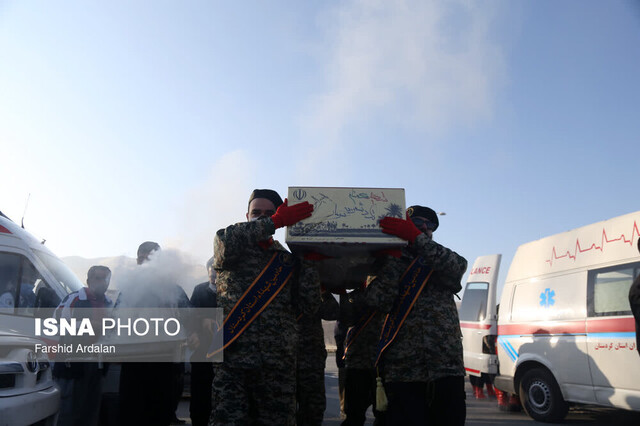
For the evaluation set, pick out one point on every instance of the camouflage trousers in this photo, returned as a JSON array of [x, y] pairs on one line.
[[311, 396], [261, 396]]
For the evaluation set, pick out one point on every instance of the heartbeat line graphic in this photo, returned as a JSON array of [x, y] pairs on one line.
[[604, 240]]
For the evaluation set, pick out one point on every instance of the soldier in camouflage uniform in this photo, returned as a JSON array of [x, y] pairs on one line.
[[360, 358], [312, 357], [256, 382], [423, 367]]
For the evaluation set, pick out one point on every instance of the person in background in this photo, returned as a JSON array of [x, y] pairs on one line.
[[478, 383], [634, 302], [360, 350], [340, 334], [149, 392], [312, 358], [80, 383], [204, 296]]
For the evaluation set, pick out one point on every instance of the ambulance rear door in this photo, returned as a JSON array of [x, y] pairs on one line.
[[479, 316]]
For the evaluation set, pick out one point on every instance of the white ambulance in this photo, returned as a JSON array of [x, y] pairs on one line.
[[565, 329], [478, 316], [31, 277]]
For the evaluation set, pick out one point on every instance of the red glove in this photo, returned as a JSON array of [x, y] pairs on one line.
[[288, 215], [403, 228]]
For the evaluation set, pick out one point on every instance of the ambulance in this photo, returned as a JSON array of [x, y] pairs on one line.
[[479, 318], [31, 278], [566, 334]]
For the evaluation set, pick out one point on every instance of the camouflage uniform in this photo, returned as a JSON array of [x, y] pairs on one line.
[[362, 351], [360, 357], [428, 346], [312, 357], [256, 381]]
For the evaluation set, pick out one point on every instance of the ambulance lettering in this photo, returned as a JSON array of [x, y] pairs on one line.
[[482, 270]]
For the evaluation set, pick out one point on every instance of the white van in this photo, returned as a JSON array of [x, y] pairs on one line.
[[31, 277], [565, 329], [478, 316]]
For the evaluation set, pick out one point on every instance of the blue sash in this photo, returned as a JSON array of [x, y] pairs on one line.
[[411, 284], [256, 298]]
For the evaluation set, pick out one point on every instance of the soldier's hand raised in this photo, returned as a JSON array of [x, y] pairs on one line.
[[403, 228], [287, 215]]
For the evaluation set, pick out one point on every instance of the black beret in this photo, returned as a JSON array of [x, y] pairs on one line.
[[147, 247], [425, 212], [269, 194]]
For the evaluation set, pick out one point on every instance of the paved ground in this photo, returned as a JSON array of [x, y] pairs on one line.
[[479, 412]]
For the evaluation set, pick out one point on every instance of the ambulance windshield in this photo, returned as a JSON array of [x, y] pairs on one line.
[[60, 271]]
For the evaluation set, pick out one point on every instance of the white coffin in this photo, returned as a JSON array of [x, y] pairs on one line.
[[344, 225]]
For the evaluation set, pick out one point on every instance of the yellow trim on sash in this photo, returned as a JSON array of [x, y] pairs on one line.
[[255, 315], [406, 313]]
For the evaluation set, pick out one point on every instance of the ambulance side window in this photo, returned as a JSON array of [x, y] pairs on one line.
[[608, 293], [31, 282], [20, 283], [9, 275]]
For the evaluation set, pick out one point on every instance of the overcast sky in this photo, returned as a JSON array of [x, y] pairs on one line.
[[154, 120]]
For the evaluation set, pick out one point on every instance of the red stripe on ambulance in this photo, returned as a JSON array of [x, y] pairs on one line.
[[544, 328], [591, 325], [475, 325]]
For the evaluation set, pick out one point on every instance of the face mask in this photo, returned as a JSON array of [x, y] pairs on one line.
[[253, 219]]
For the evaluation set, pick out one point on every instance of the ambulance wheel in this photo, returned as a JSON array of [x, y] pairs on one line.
[[541, 397]]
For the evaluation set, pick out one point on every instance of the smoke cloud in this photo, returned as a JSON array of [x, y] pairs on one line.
[[166, 267], [219, 201], [418, 65], [155, 283]]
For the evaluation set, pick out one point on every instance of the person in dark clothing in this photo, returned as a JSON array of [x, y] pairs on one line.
[[634, 302], [204, 296], [340, 334], [312, 357], [149, 392], [360, 357]]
